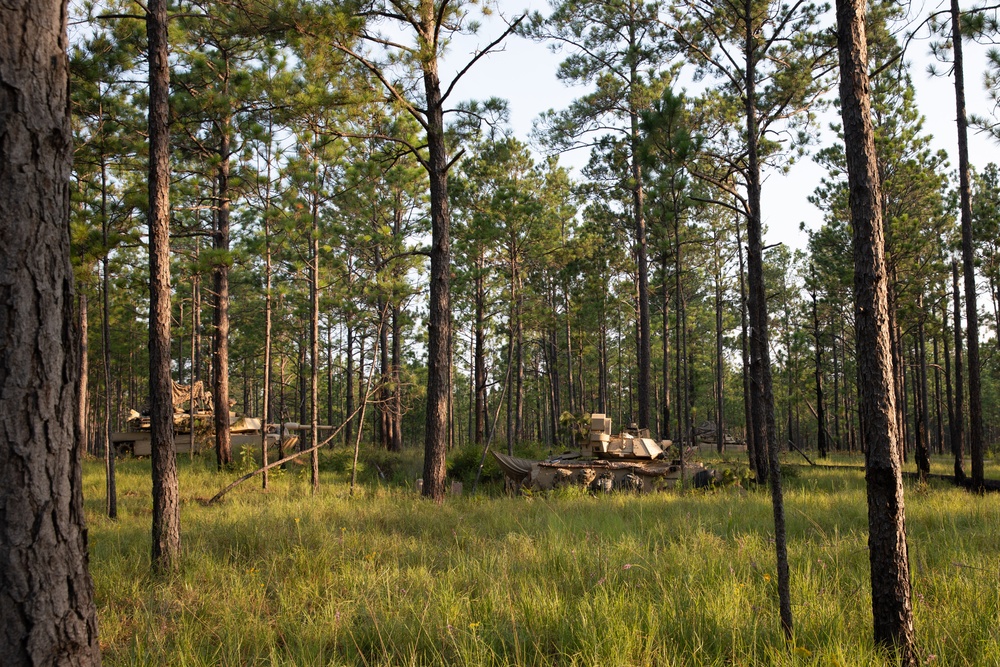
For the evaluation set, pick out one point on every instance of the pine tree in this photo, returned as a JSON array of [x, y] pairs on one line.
[[890, 576]]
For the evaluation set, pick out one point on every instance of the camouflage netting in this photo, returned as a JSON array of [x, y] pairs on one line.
[[183, 394]]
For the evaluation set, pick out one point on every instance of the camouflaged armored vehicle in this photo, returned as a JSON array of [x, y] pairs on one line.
[[194, 426], [629, 461]]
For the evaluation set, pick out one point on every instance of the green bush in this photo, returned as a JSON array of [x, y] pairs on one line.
[[464, 463]]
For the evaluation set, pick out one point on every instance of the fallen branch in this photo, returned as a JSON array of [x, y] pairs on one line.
[[793, 446], [288, 458]]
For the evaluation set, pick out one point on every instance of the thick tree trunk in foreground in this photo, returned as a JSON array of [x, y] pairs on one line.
[[166, 502], [47, 614], [890, 574]]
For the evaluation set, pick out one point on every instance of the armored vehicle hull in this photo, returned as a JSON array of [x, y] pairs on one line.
[[630, 461]]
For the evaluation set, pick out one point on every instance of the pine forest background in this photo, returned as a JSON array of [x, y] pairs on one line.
[[300, 193]]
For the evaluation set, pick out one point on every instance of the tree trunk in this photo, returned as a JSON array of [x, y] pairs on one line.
[[949, 396], [110, 485], [385, 388], [480, 353], [314, 335], [220, 343], [761, 395], [899, 368], [511, 316], [451, 383], [196, 316], [329, 370], [553, 364], [680, 377], [602, 370], [47, 613], [83, 389], [938, 421], [836, 393], [665, 335], [821, 443], [752, 454], [719, 388], [968, 258], [302, 414], [643, 344], [349, 382], [519, 360], [166, 501], [439, 320], [570, 389], [397, 391], [890, 574], [958, 425], [923, 443], [362, 392]]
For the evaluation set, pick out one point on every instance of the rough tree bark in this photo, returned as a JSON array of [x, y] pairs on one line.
[[439, 321], [166, 501], [47, 613], [890, 574]]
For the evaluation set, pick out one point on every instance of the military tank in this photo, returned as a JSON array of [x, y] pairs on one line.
[[192, 408], [629, 461]]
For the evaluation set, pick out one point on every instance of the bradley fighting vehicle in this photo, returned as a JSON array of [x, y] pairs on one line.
[[629, 461]]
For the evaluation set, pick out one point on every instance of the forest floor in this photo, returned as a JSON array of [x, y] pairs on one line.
[[283, 577]]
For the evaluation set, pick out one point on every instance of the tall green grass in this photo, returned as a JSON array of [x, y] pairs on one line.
[[386, 578]]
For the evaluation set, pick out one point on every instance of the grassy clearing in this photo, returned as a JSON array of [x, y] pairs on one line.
[[385, 578]]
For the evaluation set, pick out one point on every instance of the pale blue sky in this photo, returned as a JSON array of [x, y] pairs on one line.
[[524, 74]]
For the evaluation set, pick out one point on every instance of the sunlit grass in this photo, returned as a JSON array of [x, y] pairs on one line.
[[385, 578]]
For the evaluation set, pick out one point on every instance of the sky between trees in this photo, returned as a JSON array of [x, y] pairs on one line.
[[524, 73]]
